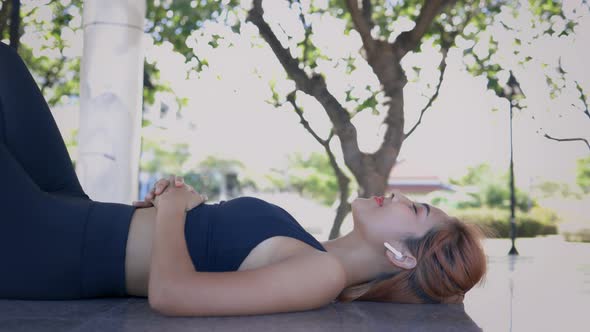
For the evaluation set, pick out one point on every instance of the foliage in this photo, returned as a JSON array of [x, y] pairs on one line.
[[221, 164], [551, 188], [483, 56], [44, 48], [583, 174], [536, 222], [475, 175], [176, 22], [205, 182], [162, 157], [71, 145], [580, 235], [49, 27], [210, 172], [490, 190], [314, 176], [311, 176]]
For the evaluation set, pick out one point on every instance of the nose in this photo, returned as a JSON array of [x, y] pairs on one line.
[[399, 197]]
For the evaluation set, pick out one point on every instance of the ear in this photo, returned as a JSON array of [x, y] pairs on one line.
[[406, 262]]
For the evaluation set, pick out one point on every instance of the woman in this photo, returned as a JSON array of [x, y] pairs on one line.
[[243, 256]]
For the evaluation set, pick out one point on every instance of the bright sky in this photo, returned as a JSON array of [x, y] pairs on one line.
[[226, 103]]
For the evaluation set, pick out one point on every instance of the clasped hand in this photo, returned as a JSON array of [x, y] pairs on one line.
[[179, 195]]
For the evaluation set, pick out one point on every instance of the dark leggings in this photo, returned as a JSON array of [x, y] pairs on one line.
[[55, 242]]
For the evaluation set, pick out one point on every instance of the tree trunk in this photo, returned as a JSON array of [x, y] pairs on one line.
[[373, 183], [15, 24], [341, 212], [371, 171], [4, 17], [344, 187]]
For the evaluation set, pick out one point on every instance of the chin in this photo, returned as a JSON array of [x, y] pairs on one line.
[[354, 203], [354, 207], [360, 200]]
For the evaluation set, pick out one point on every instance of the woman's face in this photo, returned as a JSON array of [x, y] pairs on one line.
[[393, 218]]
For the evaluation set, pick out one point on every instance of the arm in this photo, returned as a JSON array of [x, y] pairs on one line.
[[170, 255], [297, 283]]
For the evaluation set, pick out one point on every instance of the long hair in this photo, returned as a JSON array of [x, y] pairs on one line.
[[450, 261]]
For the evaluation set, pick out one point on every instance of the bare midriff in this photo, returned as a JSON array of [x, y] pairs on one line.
[[139, 251]]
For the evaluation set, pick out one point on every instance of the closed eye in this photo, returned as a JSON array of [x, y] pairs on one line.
[[427, 208], [415, 208]]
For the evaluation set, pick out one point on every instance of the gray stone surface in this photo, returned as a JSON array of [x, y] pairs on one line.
[[134, 314], [546, 288]]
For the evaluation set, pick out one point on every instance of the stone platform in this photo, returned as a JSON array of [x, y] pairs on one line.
[[545, 288]]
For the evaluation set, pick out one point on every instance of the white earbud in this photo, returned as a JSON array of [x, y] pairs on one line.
[[397, 254]]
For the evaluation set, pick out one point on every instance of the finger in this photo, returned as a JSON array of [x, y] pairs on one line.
[[149, 195], [179, 181], [155, 188], [141, 204], [161, 185], [146, 204]]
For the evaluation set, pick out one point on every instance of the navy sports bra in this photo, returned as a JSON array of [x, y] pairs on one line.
[[219, 236]]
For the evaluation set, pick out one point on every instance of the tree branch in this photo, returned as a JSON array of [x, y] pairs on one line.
[[343, 180], [409, 40], [442, 67], [31, 12], [290, 64], [368, 13], [15, 24], [446, 44], [147, 82], [53, 73], [314, 86], [304, 122], [583, 99], [363, 23], [308, 31], [569, 140], [330, 135]]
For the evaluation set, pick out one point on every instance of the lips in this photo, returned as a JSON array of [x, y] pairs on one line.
[[379, 200]]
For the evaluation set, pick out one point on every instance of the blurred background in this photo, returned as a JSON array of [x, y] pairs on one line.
[[431, 111]]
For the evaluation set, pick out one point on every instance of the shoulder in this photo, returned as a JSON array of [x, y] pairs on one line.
[[322, 267], [307, 281], [291, 253]]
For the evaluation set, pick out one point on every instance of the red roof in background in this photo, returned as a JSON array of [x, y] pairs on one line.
[[414, 179]]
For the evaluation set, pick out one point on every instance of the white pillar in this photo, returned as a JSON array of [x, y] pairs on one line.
[[111, 99]]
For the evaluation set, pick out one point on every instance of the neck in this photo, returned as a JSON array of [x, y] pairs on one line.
[[361, 260]]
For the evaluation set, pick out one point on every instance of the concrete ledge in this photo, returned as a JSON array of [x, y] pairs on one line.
[[546, 288], [134, 314]]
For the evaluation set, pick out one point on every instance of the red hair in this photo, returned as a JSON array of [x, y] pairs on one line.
[[450, 261]]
